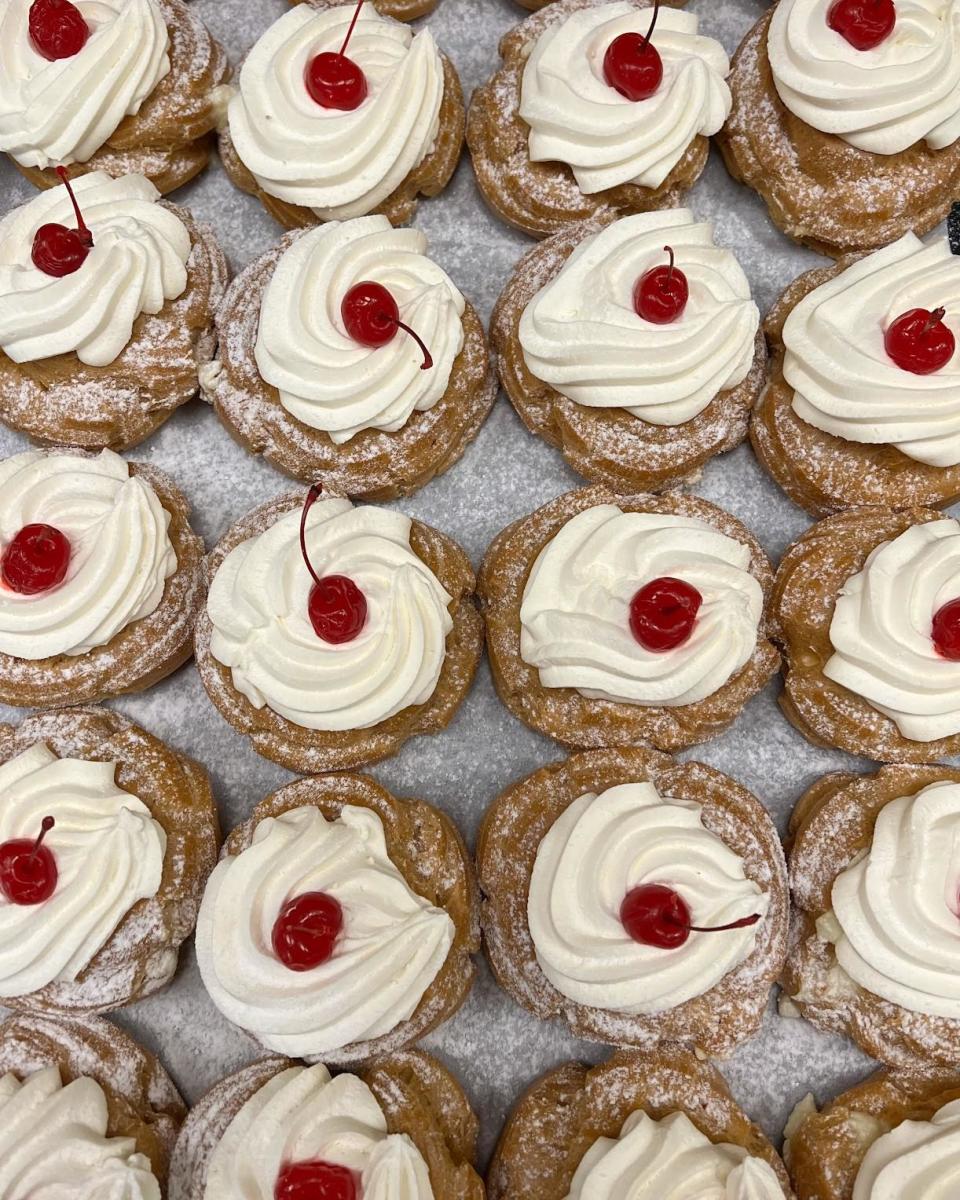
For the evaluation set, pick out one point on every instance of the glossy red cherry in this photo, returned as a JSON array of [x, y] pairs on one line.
[[863, 23], [655, 915], [28, 869], [60, 251], [663, 613], [36, 560], [632, 64], [371, 317], [306, 930], [334, 80], [919, 341], [316, 1181], [336, 606], [57, 29], [660, 295], [946, 631]]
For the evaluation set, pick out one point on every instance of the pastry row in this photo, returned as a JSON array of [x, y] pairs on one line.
[[643, 901], [599, 107], [346, 354], [81, 1102], [329, 633]]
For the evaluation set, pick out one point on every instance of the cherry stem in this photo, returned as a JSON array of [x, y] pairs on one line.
[[81, 227], [743, 923], [935, 316], [45, 826], [356, 14], [669, 250], [427, 356], [653, 23], [312, 497]]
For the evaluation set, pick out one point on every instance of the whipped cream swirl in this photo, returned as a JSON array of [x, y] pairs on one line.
[[670, 1159], [392, 944], [918, 1160], [339, 164], [881, 631], [138, 263], [120, 551], [304, 1115], [844, 381], [895, 919], [577, 118], [599, 849], [581, 333], [53, 1143], [63, 111], [261, 628], [326, 379], [575, 616], [884, 100], [109, 853]]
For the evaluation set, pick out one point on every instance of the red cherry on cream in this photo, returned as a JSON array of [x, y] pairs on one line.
[[57, 29], [946, 630], [306, 931], [36, 560], [663, 613], [660, 295], [28, 869], [632, 64], [335, 81], [863, 23], [371, 317], [918, 341], [60, 251], [337, 608], [316, 1181], [655, 915]]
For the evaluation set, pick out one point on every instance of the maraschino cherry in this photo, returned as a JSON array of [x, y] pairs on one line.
[[918, 341], [60, 251], [946, 630], [663, 613], [660, 295], [863, 23], [306, 931], [337, 608], [632, 64], [36, 560], [57, 29], [655, 915], [28, 869], [315, 1181], [334, 80], [371, 317]]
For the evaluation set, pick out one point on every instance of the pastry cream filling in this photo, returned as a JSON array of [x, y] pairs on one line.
[[918, 1160], [304, 1115], [575, 615]]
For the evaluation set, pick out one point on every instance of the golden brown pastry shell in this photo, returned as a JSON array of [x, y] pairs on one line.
[[375, 464], [825, 1151], [564, 714], [140, 957], [428, 179], [400, 10], [310, 751], [144, 651], [543, 197], [426, 848], [609, 446], [142, 1102], [510, 836], [823, 473], [818, 188], [63, 401], [808, 582], [170, 139], [561, 1116], [418, 1095]]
